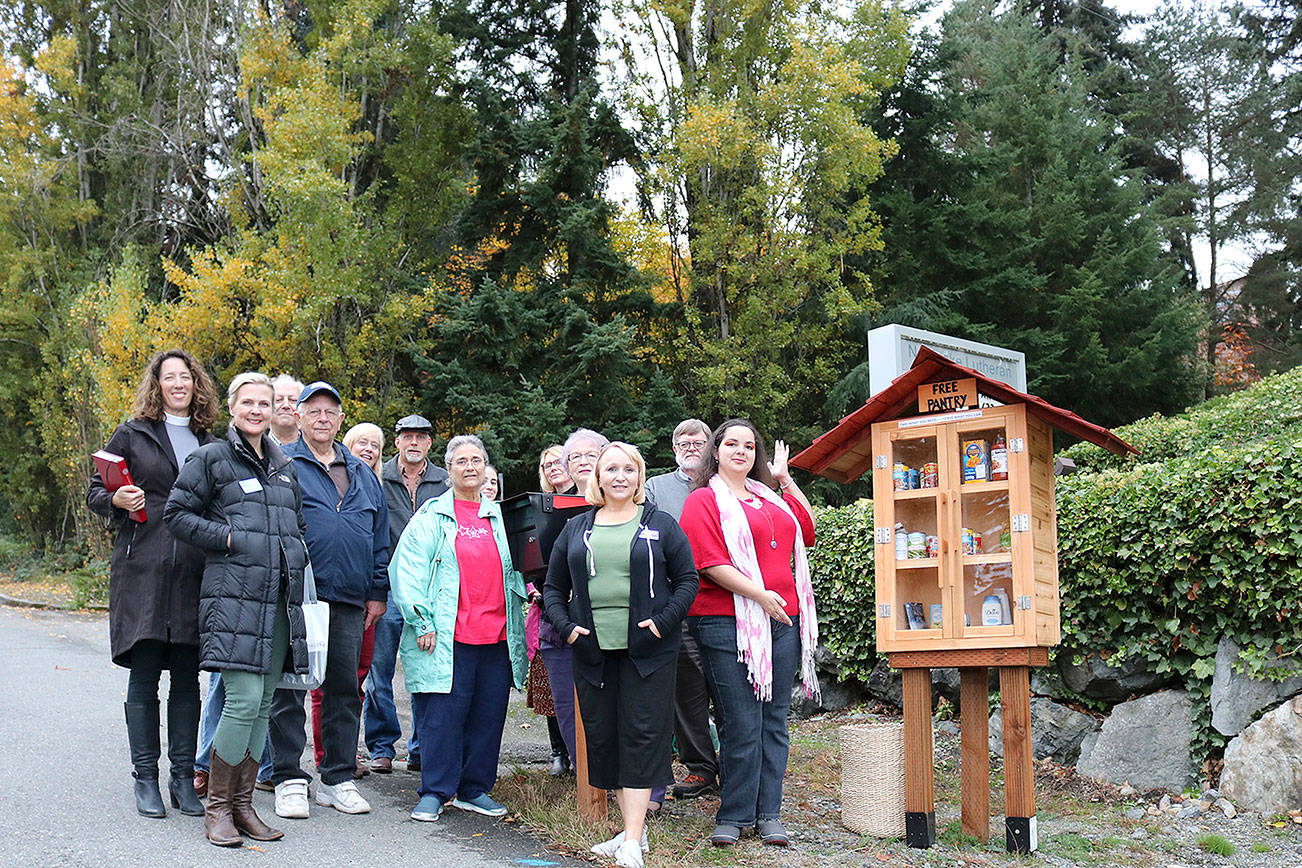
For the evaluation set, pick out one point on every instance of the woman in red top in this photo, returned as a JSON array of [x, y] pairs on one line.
[[753, 617]]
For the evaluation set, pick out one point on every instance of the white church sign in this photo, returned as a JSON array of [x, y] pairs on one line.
[[891, 349]]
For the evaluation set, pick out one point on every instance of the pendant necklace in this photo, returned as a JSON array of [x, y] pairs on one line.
[[773, 537], [758, 503]]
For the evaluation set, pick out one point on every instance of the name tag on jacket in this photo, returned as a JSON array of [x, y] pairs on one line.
[[250, 486]]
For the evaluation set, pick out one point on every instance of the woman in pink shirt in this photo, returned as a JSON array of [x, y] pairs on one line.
[[462, 646], [753, 617]]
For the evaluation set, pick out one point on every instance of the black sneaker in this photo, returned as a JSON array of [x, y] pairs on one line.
[[413, 762], [692, 786]]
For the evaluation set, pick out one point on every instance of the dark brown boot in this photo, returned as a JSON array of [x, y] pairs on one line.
[[218, 823], [246, 819]]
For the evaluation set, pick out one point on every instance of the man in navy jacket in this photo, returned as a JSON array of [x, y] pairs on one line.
[[348, 543]]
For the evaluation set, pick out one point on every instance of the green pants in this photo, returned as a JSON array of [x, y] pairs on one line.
[[243, 725]]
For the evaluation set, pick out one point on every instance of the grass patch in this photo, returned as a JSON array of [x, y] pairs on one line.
[[952, 834], [1216, 844], [549, 808], [1072, 845], [1260, 847]]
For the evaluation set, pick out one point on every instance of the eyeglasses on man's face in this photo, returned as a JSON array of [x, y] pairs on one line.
[[692, 445], [471, 461], [319, 412]]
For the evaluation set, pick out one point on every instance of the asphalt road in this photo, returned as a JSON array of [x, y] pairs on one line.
[[65, 778]]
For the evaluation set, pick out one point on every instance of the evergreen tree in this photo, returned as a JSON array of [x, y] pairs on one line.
[[563, 318], [1012, 220]]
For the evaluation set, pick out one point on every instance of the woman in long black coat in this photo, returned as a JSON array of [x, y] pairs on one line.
[[154, 578]]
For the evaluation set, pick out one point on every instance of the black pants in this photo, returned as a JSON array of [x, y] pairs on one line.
[[629, 725], [148, 660], [341, 707], [692, 700], [149, 657]]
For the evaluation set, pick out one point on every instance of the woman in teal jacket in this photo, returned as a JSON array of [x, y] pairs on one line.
[[463, 638]]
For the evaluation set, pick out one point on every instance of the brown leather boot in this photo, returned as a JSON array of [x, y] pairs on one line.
[[218, 824], [246, 819]]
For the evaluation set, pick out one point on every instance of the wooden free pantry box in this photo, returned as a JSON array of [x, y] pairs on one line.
[[961, 594]]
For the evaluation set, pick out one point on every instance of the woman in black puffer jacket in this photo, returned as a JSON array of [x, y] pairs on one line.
[[239, 501]]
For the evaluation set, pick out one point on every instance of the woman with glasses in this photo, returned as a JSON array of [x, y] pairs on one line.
[[463, 638], [579, 456], [579, 460], [753, 618], [552, 478], [552, 475]]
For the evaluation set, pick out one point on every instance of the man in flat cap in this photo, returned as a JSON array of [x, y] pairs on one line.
[[347, 533], [409, 479]]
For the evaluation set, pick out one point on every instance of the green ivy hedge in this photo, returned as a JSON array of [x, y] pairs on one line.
[[841, 564], [1159, 555]]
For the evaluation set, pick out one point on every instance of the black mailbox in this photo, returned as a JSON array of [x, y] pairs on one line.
[[533, 520]]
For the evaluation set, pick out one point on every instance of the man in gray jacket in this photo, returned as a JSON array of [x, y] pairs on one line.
[[409, 479], [692, 695]]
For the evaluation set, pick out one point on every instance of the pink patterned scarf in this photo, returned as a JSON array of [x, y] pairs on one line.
[[754, 638]]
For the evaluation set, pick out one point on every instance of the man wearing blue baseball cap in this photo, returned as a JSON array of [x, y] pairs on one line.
[[347, 533]]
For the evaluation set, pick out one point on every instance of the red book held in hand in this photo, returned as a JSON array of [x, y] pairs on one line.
[[114, 474]]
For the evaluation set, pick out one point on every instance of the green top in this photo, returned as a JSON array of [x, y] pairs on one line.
[[608, 589]]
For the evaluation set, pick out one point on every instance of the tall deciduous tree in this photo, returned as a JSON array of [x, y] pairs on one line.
[[750, 110], [1222, 131], [1271, 298]]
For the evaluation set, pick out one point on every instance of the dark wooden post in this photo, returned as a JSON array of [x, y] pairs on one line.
[[592, 801], [974, 692]]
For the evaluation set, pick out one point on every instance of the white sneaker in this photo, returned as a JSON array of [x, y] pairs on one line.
[[291, 799], [607, 849], [342, 797], [629, 855]]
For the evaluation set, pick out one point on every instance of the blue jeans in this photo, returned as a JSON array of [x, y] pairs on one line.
[[379, 711], [753, 743], [212, 712], [560, 677], [462, 729]]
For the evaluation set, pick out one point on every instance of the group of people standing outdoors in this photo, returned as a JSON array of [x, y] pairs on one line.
[[694, 584]]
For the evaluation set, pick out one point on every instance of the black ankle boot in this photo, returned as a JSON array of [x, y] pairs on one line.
[[182, 739], [142, 736]]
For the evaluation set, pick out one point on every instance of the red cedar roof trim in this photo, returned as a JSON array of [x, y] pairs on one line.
[[902, 393]]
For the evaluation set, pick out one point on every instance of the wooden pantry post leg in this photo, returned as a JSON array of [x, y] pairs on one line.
[[919, 761], [1020, 830], [974, 695]]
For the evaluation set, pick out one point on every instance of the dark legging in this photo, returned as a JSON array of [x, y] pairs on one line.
[[148, 660]]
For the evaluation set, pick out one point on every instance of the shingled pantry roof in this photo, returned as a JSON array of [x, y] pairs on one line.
[[843, 454]]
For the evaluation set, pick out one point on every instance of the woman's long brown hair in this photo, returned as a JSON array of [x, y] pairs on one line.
[[149, 394]]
